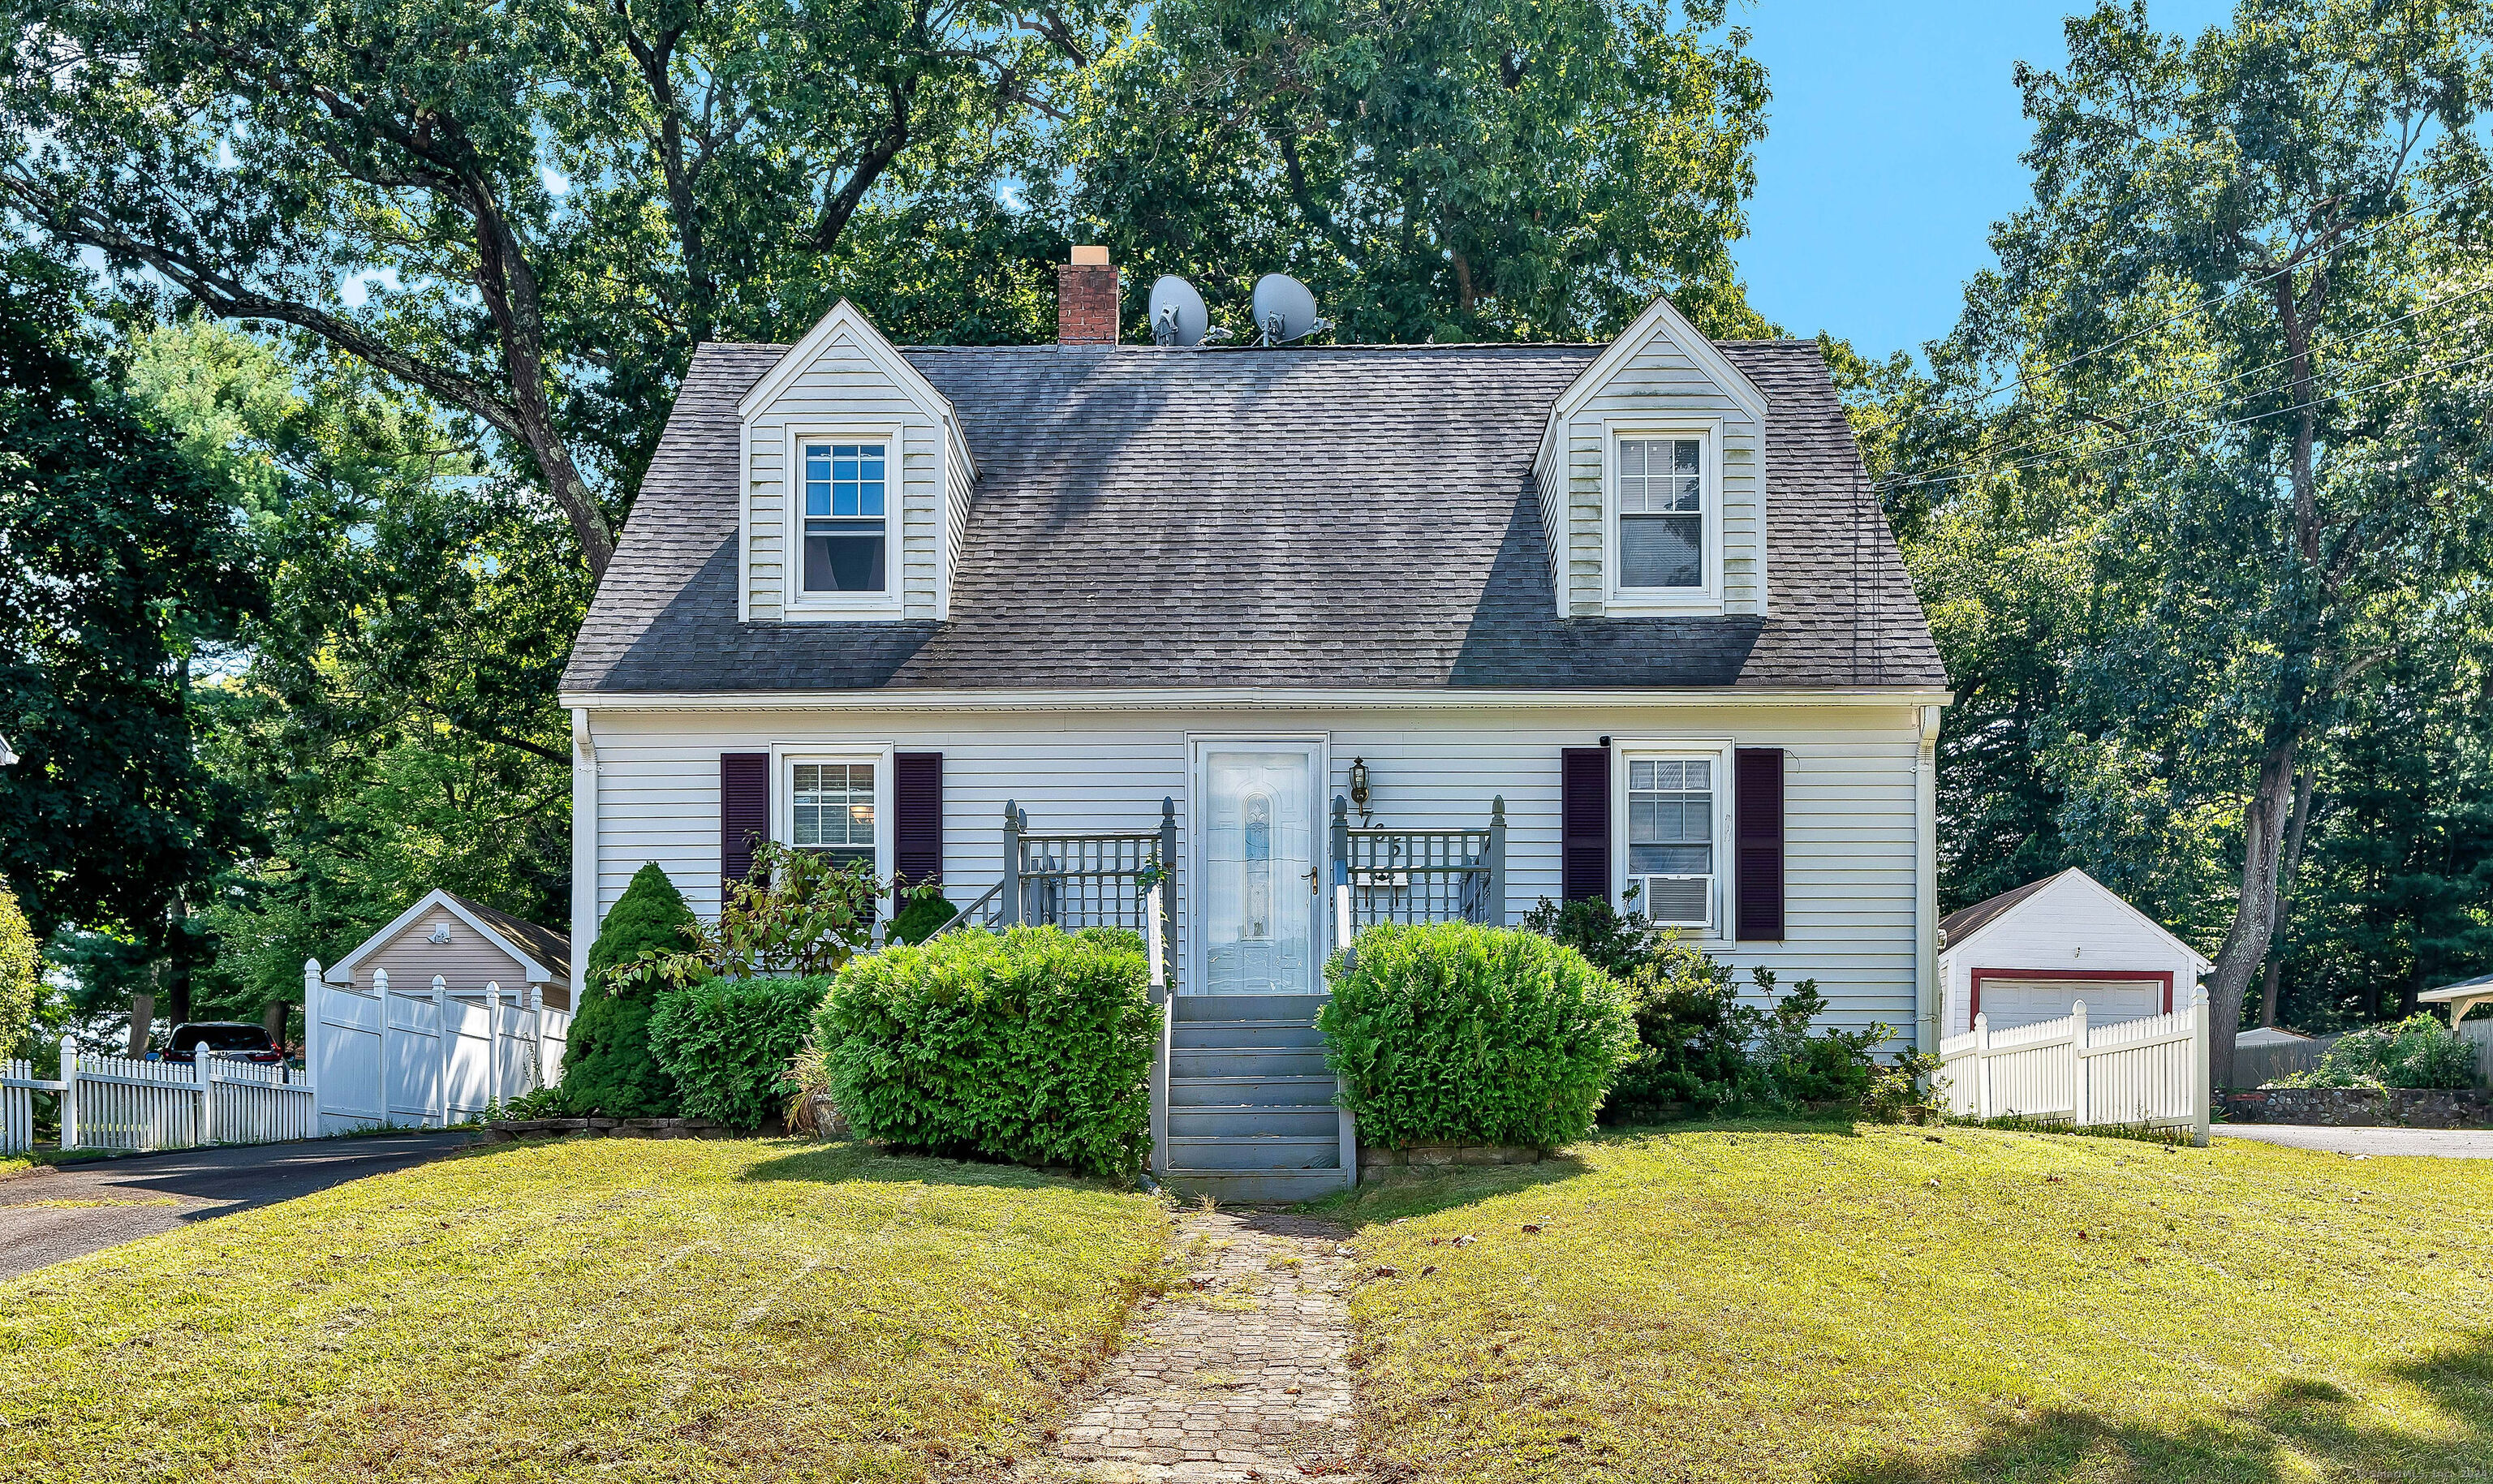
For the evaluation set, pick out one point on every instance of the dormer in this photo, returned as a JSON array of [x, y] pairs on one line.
[[1652, 480], [856, 483]]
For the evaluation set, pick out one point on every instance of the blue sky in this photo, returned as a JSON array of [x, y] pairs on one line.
[[1891, 147]]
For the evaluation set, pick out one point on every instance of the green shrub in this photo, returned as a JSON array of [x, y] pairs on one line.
[[2418, 1052], [918, 920], [1456, 1033], [727, 1043], [607, 1065], [1032, 1046], [21, 977]]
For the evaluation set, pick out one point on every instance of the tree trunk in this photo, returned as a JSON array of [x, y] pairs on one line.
[[2268, 992], [2264, 821], [2289, 862], [142, 1020]]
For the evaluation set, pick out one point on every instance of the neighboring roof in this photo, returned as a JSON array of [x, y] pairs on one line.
[[543, 953], [2479, 987], [1959, 927], [2269, 1036], [1336, 517]]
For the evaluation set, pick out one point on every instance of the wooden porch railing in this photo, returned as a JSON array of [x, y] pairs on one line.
[[1408, 875], [1094, 879]]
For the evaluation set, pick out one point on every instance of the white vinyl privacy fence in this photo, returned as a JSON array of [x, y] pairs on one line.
[[2151, 1072], [424, 1058], [121, 1103]]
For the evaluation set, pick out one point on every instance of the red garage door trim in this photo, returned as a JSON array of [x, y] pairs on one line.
[[2115, 976]]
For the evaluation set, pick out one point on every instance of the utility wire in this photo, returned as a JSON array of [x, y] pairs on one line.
[[2031, 442], [2050, 454], [2246, 286]]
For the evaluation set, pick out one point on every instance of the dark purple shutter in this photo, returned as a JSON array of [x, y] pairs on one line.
[[1584, 823], [744, 810], [918, 815], [1758, 842]]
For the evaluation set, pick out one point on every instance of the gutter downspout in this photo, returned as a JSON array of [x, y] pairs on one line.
[[584, 853], [1926, 885]]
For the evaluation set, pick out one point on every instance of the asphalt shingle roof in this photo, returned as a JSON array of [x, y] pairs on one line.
[[1334, 517]]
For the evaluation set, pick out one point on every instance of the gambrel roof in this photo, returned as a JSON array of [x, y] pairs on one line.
[[1344, 516]]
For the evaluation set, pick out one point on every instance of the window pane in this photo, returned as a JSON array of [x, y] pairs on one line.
[[832, 807], [1661, 550], [1671, 834], [844, 557], [1670, 860], [1683, 455], [818, 479]]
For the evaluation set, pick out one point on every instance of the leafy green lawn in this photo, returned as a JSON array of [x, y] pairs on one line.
[[612, 1310], [1822, 1304]]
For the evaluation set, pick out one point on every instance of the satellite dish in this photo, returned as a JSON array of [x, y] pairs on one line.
[[1284, 310], [1178, 315]]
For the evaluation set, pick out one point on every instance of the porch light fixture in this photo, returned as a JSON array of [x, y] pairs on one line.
[[1359, 788]]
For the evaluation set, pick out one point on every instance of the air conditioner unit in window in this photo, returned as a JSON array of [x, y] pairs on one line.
[[1679, 900]]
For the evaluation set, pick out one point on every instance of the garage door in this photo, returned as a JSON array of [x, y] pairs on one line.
[[2010, 1002]]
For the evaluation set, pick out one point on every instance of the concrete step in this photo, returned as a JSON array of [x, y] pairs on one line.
[[1200, 1035], [1262, 1151], [1301, 1008], [1248, 1061], [1243, 1187], [1317, 1120], [1220, 1092]]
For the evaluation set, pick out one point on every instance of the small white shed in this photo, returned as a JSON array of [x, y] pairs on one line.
[[2028, 955]]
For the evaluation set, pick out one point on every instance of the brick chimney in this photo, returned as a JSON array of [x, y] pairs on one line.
[[1086, 298]]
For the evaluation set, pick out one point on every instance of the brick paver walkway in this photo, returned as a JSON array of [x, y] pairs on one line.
[[1239, 1375]]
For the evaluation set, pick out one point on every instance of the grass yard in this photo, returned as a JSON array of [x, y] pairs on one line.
[[612, 1310], [1878, 1307]]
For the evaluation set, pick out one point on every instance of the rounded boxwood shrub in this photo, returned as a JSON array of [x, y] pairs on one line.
[[1456, 1033], [1032, 1046], [607, 1065], [727, 1043]]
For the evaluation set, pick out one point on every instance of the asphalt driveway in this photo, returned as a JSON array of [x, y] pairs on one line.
[[53, 1215], [2433, 1142]]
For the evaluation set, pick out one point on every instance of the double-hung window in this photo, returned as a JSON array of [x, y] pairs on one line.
[[1671, 828], [1661, 513], [831, 809], [847, 540]]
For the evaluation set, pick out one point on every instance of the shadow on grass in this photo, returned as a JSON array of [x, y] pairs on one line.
[[1422, 1190], [842, 1162], [2301, 1428]]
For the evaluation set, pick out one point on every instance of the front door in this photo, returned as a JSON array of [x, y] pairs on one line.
[[1255, 875]]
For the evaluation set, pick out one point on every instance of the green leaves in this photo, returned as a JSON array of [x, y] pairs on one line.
[[1032, 1046], [727, 1045], [1454, 1033]]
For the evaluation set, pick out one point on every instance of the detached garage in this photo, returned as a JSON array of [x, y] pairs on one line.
[[2028, 955]]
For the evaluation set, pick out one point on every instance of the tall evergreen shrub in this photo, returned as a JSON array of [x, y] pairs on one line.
[[1032, 1046], [608, 1067], [1456, 1033]]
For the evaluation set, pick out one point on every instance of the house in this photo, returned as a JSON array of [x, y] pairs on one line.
[[2030, 954], [1338, 632]]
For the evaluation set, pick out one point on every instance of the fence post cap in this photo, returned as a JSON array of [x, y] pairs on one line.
[[380, 981]]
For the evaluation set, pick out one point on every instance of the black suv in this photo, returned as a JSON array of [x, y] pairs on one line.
[[230, 1040]]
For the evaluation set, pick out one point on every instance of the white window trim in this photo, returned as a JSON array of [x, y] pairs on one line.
[[1618, 601], [784, 757], [794, 601], [1716, 750]]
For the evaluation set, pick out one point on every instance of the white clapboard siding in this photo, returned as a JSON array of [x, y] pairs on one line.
[[2149, 1072], [1849, 824]]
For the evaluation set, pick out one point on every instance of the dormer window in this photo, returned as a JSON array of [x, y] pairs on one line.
[[1661, 513], [847, 540]]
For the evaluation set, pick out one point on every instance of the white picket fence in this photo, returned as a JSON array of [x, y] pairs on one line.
[[122, 1102], [429, 1058], [2151, 1071]]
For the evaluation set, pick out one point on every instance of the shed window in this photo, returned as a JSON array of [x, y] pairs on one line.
[[832, 809], [1670, 838], [1661, 512], [846, 537]]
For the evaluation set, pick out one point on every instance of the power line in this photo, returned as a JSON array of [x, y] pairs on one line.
[[2049, 454], [2028, 442], [2248, 284]]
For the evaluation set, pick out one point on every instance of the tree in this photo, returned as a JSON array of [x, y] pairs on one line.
[[21, 977], [2203, 313], [121, 568], [1479, 170], [552, 201], [607, 1065]]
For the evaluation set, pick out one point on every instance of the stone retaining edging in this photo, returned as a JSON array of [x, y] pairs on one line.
[[1429, 1156], [2363, 1107]]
